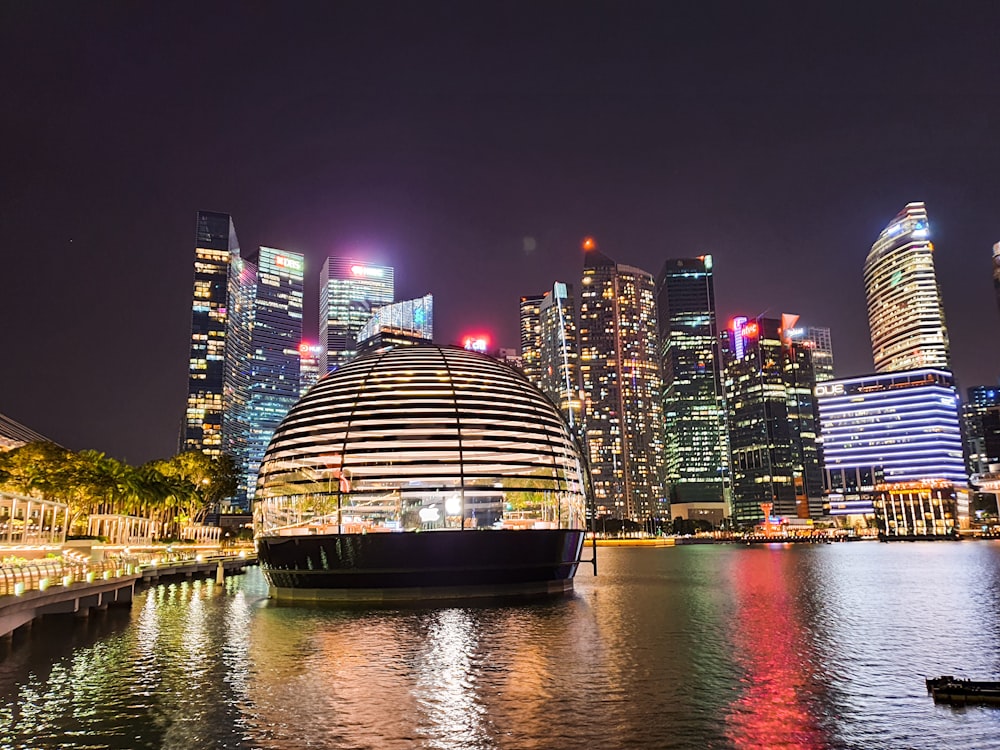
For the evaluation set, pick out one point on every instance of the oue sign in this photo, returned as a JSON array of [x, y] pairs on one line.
[[837, 389]]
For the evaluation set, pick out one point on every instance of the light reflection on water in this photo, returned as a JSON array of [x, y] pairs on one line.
[[714, 646]]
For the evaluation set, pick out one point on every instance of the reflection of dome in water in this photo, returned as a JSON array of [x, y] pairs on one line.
[[415, 439]]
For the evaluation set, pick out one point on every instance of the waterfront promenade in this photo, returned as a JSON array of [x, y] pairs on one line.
[[72, 586]]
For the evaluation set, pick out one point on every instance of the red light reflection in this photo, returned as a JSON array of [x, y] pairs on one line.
[[775, 654]]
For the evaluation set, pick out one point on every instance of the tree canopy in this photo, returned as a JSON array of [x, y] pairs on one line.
[[171, 491]]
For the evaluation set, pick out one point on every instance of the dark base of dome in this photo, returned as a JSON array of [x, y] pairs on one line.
[[420, 566]]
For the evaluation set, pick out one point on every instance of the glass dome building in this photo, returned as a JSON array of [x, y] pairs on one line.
[[421, 471]]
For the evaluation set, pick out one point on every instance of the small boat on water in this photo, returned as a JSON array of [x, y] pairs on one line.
[[958, 691]]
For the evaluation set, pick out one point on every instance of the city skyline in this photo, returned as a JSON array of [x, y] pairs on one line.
[[472, 152]]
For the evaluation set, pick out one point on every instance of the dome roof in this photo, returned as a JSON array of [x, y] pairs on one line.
[[421, 437]]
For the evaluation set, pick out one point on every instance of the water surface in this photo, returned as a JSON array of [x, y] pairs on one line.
[[714, 646]]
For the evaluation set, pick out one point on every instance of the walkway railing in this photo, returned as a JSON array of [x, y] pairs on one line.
[[38, 575]]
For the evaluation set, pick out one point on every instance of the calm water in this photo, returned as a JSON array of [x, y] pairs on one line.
[[708, 646]]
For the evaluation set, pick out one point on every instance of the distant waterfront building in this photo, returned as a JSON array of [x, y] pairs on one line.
[[309, 365], [888, 428], [773, 422], [277, 332], [216, 419], [550, 343], [696, 460], [349, 292], [621, 381], [981, 428], [905, 314]]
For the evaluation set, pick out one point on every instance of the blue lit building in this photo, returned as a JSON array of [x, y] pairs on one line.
[[275, 362], [888, 428]]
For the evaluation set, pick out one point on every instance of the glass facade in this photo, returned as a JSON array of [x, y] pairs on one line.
[[904, 425], [309, 367], [904, 302], [349, 292], [619, 367], [221, 321], [550, 343], [412, 318], [773, 423], [421, 437], [695, 448], [277, 331], [981, 428]]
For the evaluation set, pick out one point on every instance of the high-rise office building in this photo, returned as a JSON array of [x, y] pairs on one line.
[[696, 460], [773, 422], [621, 381], [349, 292], [981, 428], [818, 338], [309, 365], [889, 427], [277, 332], [904, 302], [550, 349], [221, 322], [531, 336]]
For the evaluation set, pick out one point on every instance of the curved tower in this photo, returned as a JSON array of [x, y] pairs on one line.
[[904, 302]]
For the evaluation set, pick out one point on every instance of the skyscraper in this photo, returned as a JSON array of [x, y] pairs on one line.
[[621, 382], [277, 331], [981, 428], [309, 368], [531, 336], [696, 460], [221, 321], [904, 302], [819, 341], [550, 350], [349, 292], [773, 422]]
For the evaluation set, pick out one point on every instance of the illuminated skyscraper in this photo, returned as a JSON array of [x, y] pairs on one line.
[[904, 302], [818, 340], [309, 368], [221, 322], [550, 350], [277, 331], [696, 458], [981, 428], [619, 365], [349, 292], [531, 336], [773, 422]]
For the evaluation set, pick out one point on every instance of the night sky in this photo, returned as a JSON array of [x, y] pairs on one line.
[[471, 146]]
